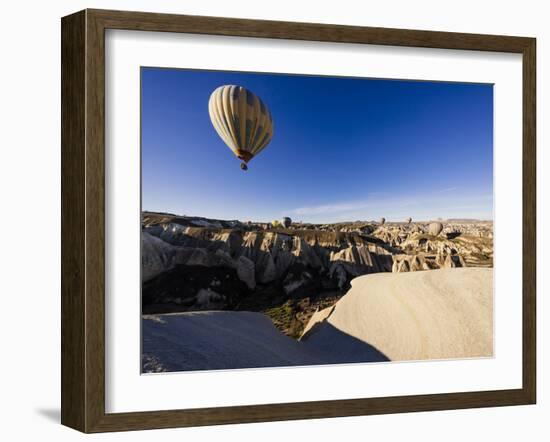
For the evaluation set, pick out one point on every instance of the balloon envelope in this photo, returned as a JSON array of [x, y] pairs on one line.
[[286, 222], [382, 220], [242, 120]]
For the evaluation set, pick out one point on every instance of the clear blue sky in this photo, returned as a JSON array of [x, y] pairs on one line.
[[343, 149]]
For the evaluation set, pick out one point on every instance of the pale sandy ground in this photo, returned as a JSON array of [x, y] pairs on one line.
[[436, 314]]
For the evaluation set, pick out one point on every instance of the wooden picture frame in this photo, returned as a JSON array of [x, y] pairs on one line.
[[83, 220]]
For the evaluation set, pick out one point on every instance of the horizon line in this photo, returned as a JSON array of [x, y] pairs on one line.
[[392, 220]]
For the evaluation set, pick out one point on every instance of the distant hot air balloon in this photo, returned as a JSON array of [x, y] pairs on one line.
[[276, 223], [242, 121], [382, 221], [435, 228], [408, 220], [286, 222]]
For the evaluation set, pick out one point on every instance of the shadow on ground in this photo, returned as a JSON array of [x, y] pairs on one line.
[[221, 340], [337, 347], [51, 414]]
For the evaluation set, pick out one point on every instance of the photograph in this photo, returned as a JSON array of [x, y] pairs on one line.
[[302, 220]]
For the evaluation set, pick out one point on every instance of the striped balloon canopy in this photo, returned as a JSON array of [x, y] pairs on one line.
[[242, 120]]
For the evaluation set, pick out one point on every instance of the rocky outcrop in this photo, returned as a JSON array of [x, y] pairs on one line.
[[208, 299], [191, 263], [358, 260], [157, 256], [415, 263], [246, 271], [300, 263], [460, 245], [441, 314], [261, 257]]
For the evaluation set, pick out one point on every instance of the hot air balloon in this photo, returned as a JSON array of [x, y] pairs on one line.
[[242, 121], [286, 222], [382, 221], [408, 220], [435, 228]]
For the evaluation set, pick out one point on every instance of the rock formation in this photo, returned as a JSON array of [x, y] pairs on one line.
[[435, 228], [262, 257], [192, 263], [440, 314], [383, 317]]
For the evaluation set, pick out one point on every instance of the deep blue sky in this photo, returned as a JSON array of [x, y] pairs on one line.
[[343, 149]]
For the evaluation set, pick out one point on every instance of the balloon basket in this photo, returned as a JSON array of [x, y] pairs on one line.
[[244, 166]]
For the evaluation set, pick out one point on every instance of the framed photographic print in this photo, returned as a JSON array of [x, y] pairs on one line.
[[269, 220]]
